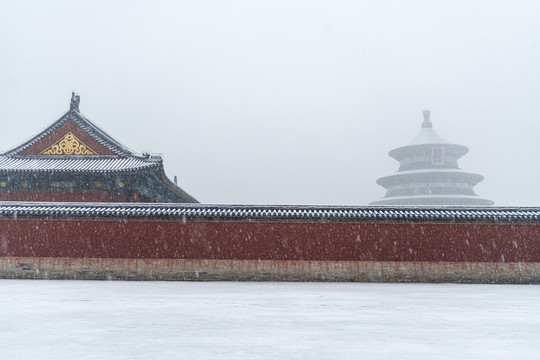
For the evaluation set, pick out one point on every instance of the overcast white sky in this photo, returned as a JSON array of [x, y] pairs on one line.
[[284, 102]]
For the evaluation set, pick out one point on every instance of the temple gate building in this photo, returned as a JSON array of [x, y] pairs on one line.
[[73, 160], [429, 174]]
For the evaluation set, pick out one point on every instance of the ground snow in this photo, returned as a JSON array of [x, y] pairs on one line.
[[45, 319]]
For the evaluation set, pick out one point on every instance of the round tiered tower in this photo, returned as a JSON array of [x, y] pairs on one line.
[[429, 174]]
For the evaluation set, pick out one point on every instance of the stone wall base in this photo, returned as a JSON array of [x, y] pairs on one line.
[[267, 270]]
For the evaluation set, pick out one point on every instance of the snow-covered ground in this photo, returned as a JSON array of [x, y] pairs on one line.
[[44, 319]]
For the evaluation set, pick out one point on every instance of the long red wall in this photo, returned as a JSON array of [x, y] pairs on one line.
[[254, 240]]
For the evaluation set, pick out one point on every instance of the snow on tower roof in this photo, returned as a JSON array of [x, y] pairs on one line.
[[427, 135]]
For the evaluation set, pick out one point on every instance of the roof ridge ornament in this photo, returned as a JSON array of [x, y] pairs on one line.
[[74, 103], [427, 119]]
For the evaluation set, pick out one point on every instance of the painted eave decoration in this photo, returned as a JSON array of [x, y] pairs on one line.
[[68, 145]]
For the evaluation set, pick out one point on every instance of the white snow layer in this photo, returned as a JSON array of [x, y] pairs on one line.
[[43, 319]]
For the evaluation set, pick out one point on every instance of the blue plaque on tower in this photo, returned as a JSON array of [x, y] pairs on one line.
[[437, 155]]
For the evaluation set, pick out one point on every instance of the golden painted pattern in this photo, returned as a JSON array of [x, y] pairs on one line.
[[68, 145]]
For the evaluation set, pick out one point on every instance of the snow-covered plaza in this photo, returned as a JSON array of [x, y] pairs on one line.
[[45, 319]]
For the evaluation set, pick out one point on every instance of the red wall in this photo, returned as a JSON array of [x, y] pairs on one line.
[[269, 240]]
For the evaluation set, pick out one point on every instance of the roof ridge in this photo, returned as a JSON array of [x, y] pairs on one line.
[[86, 125], [448, 214], [36, 137], [99, 135]]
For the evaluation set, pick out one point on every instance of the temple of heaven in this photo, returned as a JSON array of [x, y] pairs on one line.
[[429, 174]]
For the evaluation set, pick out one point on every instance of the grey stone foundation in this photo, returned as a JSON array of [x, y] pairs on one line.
[[267, 270]]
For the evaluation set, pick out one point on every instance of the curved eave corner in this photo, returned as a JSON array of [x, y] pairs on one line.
[[175, 188]]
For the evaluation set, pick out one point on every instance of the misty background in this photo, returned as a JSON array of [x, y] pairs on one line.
[[284, 102]]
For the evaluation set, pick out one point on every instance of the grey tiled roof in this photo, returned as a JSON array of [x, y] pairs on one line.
[[251, 212], [74, 164], [90, 128], [124, 160]]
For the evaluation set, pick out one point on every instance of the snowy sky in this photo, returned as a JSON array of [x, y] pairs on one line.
[[284, 102]]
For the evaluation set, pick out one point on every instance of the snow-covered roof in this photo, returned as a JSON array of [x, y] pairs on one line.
[[424, 139], [86, 125], [439, 200], [37, 154], [72, 164], [427, 172], [248, 212], [428, 136], [432, 171]]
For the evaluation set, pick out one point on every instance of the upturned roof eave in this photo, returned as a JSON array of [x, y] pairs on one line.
[[177, 189]]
